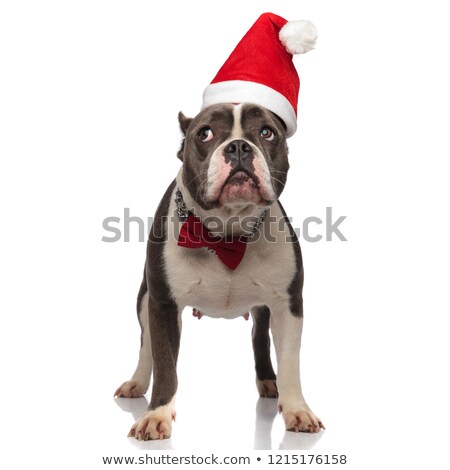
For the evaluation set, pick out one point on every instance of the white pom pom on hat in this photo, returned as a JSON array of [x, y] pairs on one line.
[[298, 37], [260, 70]]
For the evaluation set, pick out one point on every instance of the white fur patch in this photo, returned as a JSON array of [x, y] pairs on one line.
[[237, 128]]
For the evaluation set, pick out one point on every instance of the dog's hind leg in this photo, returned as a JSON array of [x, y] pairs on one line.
[[139, 383], [265, 376]]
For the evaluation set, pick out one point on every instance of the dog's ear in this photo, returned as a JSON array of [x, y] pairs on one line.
[[185, 122]]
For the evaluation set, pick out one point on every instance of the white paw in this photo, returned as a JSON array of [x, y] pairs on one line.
[[130, 389], [267, 388], [154, 424], [301, 419]]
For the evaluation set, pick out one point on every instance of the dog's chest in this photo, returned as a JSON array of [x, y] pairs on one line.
[[199, 279]]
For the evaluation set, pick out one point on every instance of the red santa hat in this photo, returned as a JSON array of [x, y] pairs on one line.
[[260, 69]]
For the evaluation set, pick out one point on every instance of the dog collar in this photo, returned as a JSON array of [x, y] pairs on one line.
[[193, 234]]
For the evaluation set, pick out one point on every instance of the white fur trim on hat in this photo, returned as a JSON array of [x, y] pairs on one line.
[[241, 91], [298, 37]]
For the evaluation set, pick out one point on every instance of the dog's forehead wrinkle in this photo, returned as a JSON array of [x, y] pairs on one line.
[[218, 115], [256, 115], [254, 111], [253, 118], [253, 108]]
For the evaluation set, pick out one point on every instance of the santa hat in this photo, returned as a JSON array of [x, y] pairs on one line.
[[260, 69]]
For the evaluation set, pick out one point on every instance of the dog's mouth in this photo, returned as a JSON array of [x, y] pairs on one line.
[[239, 177], [240, 186]]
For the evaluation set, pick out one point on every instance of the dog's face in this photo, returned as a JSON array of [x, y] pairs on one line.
[[234, 155]]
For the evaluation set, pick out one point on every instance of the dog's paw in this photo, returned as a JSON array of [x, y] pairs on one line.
[[154, 424], [302, 419], [130, 389], [267, 388]]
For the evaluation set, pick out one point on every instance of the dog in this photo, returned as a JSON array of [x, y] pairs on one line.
[[234, 168]]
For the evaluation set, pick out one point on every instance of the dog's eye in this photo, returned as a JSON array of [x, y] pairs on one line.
[[267, 134], [205, 134]]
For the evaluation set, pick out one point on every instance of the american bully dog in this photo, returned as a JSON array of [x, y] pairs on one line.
[[222, 244]]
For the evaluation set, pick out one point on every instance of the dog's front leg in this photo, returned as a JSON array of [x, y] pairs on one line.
[[165, 330], [286, 331]]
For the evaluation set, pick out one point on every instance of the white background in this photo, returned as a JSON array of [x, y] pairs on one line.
[[89, 95]]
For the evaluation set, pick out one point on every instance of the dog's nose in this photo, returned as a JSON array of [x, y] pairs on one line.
[[238, 150]]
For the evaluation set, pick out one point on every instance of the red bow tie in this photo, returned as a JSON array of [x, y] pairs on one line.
[[194, 235]]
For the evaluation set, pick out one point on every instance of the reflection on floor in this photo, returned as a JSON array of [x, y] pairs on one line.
[[266, 411]]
